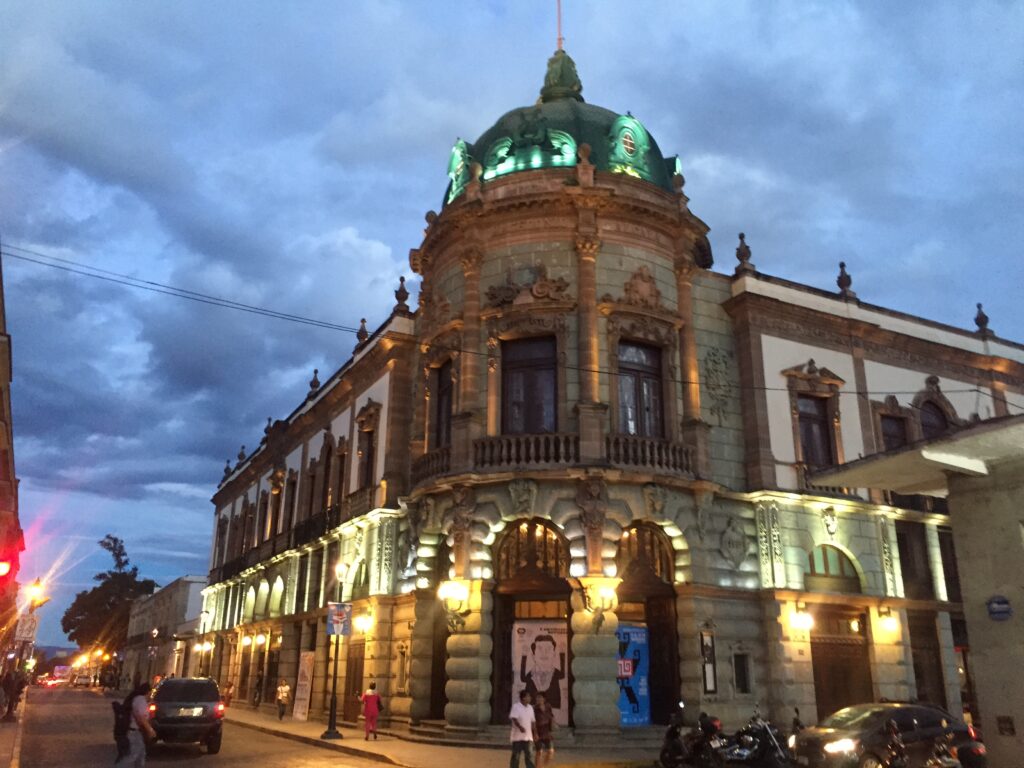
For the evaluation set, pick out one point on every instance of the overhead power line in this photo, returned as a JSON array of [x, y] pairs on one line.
[[87, 270]]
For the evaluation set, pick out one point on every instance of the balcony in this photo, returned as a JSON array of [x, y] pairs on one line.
[[650, 454], [507, 452], [432, 464], [359, 503], [803, 473]]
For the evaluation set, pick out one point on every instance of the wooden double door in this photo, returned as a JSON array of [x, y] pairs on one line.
[[351, 706], [839, 657]]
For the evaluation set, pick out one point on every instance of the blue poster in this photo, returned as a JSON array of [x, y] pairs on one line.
[[339, 619], [634, 661]]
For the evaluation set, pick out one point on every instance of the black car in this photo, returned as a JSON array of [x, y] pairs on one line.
[[856, 736], [187, 709]]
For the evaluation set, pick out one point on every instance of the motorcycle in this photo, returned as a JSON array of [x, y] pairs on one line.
[[674, 749], [970, 754], [700, 747], [758, 744]]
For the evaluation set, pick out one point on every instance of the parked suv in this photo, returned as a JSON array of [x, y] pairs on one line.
[[187, 709], [856, 736]]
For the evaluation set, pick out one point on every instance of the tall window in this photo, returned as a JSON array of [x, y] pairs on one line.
[[949, 566], [289, 501], [933, 421], [815, 431], [342, 462], [528, 386], [443, 407], [894, 432], [367, 450], [913, 549], [640, 403]]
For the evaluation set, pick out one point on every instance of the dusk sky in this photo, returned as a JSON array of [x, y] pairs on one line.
[[283, 156]]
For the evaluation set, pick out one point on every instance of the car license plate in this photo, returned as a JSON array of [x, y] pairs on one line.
[[716, 743], [803, 760], [190, 712]]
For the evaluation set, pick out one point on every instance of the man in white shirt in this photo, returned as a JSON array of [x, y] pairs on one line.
[[139, 729], [524, 726]]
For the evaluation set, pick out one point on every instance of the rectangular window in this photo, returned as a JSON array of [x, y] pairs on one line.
[[443, 407], [949, 567], [340, 480], [315, 580], [741, 668], [815, 431], [528, 386], [289, 503], [367, 449], [300, 587], [913, 549], [310, 496], [640, 399], [894, 432]]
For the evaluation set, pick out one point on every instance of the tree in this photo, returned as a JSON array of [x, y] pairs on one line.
[[99, 616]]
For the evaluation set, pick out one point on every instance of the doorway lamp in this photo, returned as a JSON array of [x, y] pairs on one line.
[[887, 620], [454, 596], [801, 619], [599, 597]]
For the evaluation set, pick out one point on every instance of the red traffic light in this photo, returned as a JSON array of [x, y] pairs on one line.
[[5, 567]]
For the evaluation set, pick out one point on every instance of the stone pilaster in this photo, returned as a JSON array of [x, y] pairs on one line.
[[790, 668], [469, 363], [421, 648], [469, 663], [594, 647], [696, 433], [586, 257]]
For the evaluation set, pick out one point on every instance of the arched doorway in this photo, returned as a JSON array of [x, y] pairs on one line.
[[839, 644], [531, 618], [647, 616]]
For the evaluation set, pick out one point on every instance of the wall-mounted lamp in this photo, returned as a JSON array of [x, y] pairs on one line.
[[246, 641], [801, 619], [198, 647], [855, 626], [454, 596], [599, 596], [261, 639], [339, 570], [207, 646], [887, 620], [363, 623]]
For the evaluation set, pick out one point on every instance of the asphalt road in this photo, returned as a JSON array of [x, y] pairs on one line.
[[73, 728]]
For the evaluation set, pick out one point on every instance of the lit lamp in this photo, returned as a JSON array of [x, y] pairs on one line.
[[454, 596], [246, 641], [599, 597], [363, 623], [887, 620], [261, 639], [800, 619]]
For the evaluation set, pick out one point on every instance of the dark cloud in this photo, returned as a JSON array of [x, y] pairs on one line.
[[286, 160]]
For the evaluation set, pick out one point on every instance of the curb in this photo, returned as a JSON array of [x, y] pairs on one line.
[[332, 745], [16, 749]]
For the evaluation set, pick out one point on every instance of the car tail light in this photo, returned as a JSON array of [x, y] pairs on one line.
[[972, 733], [219, 710], [152, 710]]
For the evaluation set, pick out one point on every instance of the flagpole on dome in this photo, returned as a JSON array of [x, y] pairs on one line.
[[561, 39]]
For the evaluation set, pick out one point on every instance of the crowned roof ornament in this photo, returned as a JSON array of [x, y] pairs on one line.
[[401, 297], [745, 267], [561, 80], [844, 281], [981, 320], [362, 334]]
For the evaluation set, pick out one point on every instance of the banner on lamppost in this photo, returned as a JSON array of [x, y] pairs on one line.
[[304, 685], [339, 619], [27, 626]]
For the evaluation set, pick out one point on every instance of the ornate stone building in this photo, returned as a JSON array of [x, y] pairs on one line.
[[581, 466], [12, 540]]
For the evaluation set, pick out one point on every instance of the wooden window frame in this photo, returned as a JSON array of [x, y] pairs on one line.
[[367, 436], [538, 365], [661, 334], [809, 380]]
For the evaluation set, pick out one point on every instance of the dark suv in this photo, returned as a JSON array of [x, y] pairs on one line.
[[856, 736], [187, 709]]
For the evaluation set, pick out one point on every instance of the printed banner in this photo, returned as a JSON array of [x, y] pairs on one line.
[[539, 664], [634, 665], [304, 685], [339, 619]]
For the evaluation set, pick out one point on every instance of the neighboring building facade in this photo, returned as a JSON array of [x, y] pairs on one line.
[[157, 628], [12, 540], [980, 469], [585, 456]]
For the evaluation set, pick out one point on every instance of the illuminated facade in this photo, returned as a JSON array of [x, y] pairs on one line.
[[586, 454]]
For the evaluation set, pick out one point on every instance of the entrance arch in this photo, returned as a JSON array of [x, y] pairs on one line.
[[532, 635], [647, 605]]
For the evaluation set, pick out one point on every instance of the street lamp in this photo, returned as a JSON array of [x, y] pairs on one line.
[[332, 731]]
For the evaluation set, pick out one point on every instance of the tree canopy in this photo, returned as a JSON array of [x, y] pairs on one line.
[[99, 616]]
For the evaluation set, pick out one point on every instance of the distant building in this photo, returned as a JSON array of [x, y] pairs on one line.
[[581, 466], [154, 643], [980, 469], [12, 540]]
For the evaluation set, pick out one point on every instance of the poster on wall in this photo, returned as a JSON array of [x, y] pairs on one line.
[[304, 685], [539, 664], [634, 661]]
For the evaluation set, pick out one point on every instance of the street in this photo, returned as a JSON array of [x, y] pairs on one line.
[[73, 728]]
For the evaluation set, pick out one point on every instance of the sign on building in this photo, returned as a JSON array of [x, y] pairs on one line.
[[339, 619], [304, 685], [538, 664], [633, 667], [27, 626]]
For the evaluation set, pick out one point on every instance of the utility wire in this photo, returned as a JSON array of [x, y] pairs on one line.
[[86, 270]]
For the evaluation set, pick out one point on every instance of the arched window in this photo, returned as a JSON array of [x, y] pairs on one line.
[[828, 569], [276, 594], [261, 600], [248, 607], [532, 545], [933, 420], [644, 546]]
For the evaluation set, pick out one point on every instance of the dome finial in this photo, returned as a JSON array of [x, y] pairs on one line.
[[561, 80], [561, 39]]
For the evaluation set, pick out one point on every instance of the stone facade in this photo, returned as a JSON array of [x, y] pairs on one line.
[[520, 484]]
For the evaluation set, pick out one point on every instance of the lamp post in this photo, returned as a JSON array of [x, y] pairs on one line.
[[34, 593], [332, 731]]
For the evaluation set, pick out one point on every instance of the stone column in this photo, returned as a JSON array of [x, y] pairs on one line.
[[469, 663], [696, 433], [595, 693], [427, 612], [790, 680], [591, 414]]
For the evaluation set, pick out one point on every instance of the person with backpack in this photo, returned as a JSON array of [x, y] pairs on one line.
[[132, 728]]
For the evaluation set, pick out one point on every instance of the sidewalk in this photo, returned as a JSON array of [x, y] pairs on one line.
[[392, 750], [10, 737]]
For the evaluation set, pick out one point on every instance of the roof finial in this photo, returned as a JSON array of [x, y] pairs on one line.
[[401, 295], [745, 267], [561, 80], [844, 281], [981, 320], [314, 384], [241, 454], [561, 39], [362, 334]]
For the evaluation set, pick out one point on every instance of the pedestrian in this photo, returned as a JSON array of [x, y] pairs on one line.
[[524, 728], [284, 692], [229, 692], [257, 690], [545, 719], [372, 706], [139, 728]]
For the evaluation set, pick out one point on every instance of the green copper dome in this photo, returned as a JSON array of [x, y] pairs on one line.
[[549, 134]]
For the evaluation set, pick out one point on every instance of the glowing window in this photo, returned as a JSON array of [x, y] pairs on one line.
[[628, 143]]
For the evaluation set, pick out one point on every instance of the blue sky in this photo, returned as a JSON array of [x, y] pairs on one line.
[[284, 156]]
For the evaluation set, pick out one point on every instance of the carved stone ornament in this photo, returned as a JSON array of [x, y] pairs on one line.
[[734, 543], [434, 310], [718, 381], [524, 496], [642, 290], [431, 520], [463, 505], [830, 521], [542, 288], [818, 379], [888, 566], [643, 328], [592, 499], [654, 500]]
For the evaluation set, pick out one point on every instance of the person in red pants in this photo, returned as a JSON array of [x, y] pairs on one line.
[[372, 706]]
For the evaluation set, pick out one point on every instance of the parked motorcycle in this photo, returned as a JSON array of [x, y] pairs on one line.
[[700, 747], [896, 750], [970, 754], [758, 744], [674, 748]]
